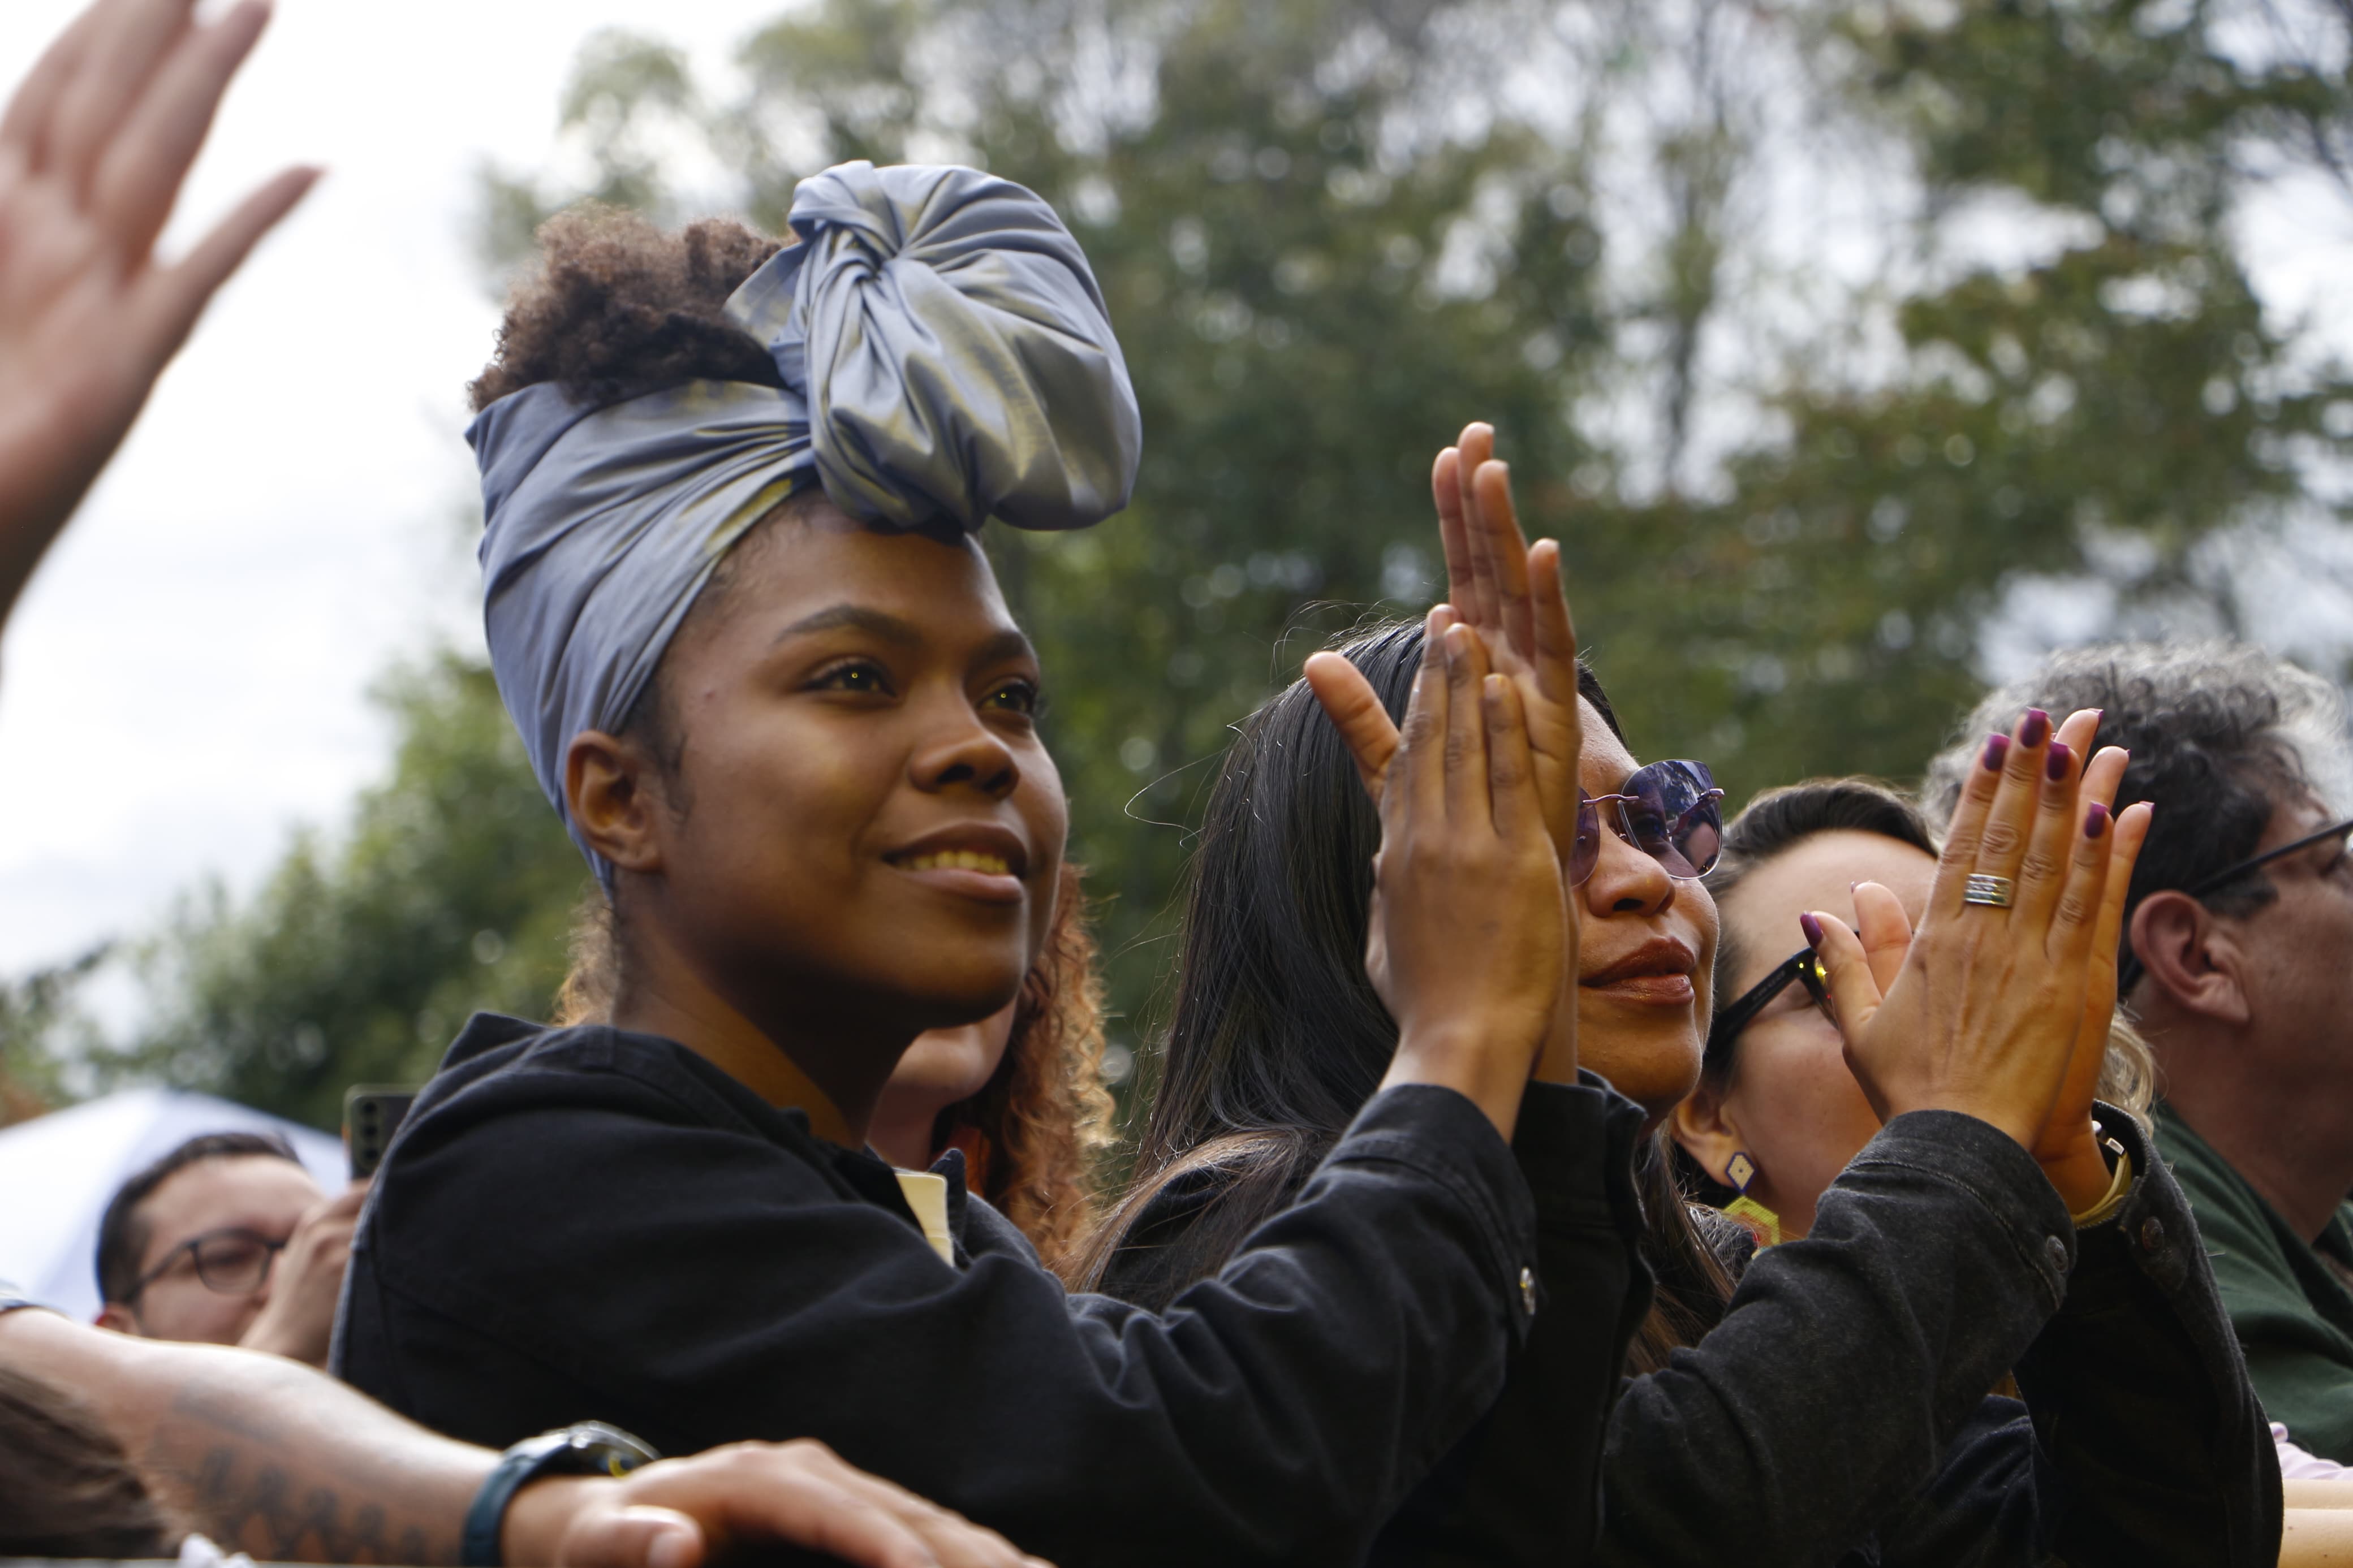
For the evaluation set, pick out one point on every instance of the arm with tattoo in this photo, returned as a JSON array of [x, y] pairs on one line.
[[268, 1456]]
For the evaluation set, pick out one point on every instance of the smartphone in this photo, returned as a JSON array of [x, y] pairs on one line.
[[372, 1115]]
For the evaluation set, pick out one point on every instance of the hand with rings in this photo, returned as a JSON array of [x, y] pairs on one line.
[[1999, 1006]]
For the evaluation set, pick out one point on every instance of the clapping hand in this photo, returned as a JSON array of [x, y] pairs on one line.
[[92, 151], [1510, 597], [1470, 934], [1998, 1012]]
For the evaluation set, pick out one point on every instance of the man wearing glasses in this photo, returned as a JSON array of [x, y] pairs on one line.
[[2237, 965], [227, 1241]]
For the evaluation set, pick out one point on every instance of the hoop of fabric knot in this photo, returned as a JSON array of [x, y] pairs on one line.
[[946, 354]]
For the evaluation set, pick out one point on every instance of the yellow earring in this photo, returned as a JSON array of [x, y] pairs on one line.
[[1761, 1222]]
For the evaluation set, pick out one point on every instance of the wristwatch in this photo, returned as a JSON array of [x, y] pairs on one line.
[[588, 1448]]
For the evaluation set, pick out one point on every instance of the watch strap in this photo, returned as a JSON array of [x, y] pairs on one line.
[[585, 1448]]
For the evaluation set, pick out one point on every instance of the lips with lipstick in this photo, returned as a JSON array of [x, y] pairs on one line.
[[973, 860], [1659, 971]]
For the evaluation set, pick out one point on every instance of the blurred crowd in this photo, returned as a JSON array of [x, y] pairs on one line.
[[1539, 1165]]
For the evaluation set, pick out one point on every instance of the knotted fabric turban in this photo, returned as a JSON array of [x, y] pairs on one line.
[[946, 354]]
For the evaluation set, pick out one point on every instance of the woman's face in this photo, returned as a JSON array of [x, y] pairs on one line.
[[1791, 1103], [1646, 949], [862, 830]]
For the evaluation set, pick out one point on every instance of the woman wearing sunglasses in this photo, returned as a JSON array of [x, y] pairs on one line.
[[1830, 1405], [1778, 1113]]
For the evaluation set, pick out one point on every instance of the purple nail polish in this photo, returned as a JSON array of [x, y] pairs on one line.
[[2054, 766], [1813, 929], [2034, 728], [1997, 748], [2095, 820]]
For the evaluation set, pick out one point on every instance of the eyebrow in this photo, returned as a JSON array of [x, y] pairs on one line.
[[1007, 644]]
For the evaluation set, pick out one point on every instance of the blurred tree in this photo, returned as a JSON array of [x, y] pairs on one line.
[[449, 890], [1330, 233]]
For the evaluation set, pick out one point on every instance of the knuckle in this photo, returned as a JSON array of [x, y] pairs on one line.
[[2039, 864], [1999, 839], [2077, 907]]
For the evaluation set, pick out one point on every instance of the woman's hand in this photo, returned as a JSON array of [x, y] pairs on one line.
[[92, 151], [683, 1512], [1509, 594], [1469, 933], [1987, 1011]]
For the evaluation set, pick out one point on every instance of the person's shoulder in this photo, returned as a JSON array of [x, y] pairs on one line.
[[503, 1066], [2225, 1206]]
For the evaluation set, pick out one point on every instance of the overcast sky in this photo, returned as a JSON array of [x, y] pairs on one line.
[[186, 679]]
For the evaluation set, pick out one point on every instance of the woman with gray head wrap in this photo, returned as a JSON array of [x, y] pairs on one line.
[[764, 671]]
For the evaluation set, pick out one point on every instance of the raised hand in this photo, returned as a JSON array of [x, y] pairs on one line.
[[1992, 1011], [1470, 938], [306, 1282], [1511, 595], [92, 151]]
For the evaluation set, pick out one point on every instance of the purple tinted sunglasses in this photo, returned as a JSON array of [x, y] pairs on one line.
[[1672, 811]]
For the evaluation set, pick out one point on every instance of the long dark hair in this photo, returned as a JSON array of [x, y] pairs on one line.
[[1278, 1038]]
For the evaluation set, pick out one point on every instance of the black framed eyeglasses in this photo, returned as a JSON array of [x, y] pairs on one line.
[[2128, 965], [1804, 966], [231, 1261]]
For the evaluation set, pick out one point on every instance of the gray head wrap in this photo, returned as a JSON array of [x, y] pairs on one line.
[[946, 354]]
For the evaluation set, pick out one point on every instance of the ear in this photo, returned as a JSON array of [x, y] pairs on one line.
[[614, 792], [1704, 1124], [2190, 958], [120, 1318]]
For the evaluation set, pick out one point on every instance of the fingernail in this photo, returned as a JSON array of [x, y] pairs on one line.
[[2054, 766], [670, 1548], [1812, 927], [2095, 820], [1997, 748], [2034, 728]]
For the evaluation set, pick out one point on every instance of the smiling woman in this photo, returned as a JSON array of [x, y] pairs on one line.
[[767, 677]]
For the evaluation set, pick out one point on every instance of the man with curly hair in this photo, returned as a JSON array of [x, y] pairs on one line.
[[2238, 964]]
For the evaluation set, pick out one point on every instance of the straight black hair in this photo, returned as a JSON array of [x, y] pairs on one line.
[[1278, 1038]]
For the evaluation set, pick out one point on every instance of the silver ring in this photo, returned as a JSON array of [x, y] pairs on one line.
[[1993, 893]]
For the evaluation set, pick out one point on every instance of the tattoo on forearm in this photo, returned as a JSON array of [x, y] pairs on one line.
[[253, 1484]]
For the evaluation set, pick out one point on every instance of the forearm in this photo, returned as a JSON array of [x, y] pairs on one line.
[[260, 1453], [1846, 1363]]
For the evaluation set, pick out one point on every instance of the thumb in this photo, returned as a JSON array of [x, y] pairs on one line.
[[1846, 974], [634, 1537], [1887, 931], [1356, 710]]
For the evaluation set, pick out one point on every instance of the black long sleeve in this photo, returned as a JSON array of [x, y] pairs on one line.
[[588, 1224], [1523, 1485], [1839, 1408]]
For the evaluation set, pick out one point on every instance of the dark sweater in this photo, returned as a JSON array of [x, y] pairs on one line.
[[1837, 1413], [586, 1223]]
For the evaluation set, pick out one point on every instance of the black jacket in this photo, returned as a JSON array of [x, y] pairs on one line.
[[585, 1222], [1836, 1412]]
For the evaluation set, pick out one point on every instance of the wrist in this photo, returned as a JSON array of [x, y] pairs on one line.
[[539, 1514], [2080, 1171], [1470, 1059]]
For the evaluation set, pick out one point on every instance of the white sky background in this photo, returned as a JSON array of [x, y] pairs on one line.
[[186, 679]]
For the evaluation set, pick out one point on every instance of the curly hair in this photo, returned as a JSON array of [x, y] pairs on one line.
[[2222, 735], [1034, 1135], [617, 308]]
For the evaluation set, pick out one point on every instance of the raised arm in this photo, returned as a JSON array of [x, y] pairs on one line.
[[92, 151]]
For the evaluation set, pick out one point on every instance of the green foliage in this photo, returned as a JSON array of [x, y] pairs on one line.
[[358, 960], [1329, 237]]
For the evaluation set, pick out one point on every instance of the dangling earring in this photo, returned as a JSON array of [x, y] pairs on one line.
[[1761, 1222]]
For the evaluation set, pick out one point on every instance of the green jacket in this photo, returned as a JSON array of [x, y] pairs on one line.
[[2292, 1311]]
